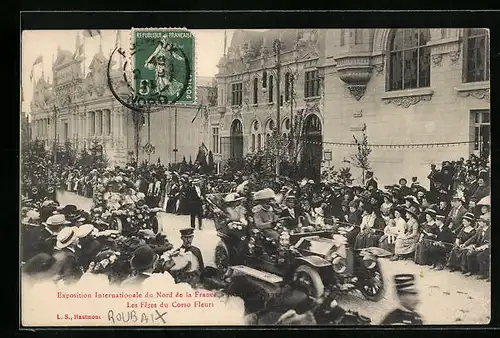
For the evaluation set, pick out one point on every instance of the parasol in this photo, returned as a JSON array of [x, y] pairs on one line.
[[485, 201]]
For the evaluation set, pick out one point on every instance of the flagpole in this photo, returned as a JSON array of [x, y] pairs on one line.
[[84, 56]]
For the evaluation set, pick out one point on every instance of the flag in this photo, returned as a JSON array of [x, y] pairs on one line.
[[38, 60], [118, 38], [78, 52], [90, 33]]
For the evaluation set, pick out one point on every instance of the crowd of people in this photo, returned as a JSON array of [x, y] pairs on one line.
[[445, 226]]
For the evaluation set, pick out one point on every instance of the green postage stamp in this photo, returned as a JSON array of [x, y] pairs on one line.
[[163, 60]]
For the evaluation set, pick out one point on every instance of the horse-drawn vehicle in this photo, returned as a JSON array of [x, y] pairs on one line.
[[308, 260]]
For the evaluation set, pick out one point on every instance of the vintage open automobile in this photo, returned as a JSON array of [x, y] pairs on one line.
[[311, 261]]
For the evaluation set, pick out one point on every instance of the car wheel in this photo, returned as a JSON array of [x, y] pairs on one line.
[[221, 258], [155, 225], [307, 279], [372, 284], [116, 224]]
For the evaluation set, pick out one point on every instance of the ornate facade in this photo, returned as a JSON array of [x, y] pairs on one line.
[[85, 110], [408, 86]]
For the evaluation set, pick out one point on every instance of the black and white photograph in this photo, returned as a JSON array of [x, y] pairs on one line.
[[255, 177]]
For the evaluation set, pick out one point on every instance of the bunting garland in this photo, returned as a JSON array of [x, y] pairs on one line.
[[393, 146]]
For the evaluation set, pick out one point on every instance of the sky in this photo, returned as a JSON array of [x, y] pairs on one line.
[[209, 45]]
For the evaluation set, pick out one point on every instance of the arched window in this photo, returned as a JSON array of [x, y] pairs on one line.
[[285, 127], [409, 59], [255, 131], [271, 88], [287, 87], [255, 91], [264, 79], [476, 55], [269, 130]]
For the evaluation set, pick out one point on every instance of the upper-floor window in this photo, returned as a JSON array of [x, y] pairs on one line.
[[342, 37], [255, 91], [409, 59], [264, 79], [271, 88], [256, 143], [311, 88], [215, 140], [476, 55], [287, 86], [358, 36], [236, 94]]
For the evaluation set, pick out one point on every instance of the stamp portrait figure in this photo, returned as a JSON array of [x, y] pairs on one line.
[[161, 62]]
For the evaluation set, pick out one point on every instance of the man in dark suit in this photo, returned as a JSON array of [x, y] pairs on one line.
[[195, 197], [481, 191], [291, 212], [370, 181], [441, 245], [454, 219], [143, 263], [478, 250], [66, 266], [193, 275]]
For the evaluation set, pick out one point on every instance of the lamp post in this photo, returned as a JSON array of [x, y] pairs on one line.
[[277, 50]]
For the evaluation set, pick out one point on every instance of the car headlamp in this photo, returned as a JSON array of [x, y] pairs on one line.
[[369, 262], [339, 264]]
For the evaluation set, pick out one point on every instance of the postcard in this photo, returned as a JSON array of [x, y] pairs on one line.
[[243, 177]]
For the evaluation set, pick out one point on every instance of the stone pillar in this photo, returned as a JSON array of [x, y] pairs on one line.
[[96, 125], [120, 122]]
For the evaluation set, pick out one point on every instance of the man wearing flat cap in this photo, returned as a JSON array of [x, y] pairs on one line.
[[192, 277], [408, 300]]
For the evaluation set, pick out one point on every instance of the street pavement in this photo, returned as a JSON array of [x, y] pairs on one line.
[[446, 297]]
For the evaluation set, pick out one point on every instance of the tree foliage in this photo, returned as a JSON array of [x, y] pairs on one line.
[[343, 175], [360, 159]]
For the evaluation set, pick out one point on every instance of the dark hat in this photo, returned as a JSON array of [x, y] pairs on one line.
[[411, 210], [386, 194], [405, 283], [440, 217], [469, 216], [431, 212], [368, 208], [402, 178], [187, 232], [144, 258], [71, 212]]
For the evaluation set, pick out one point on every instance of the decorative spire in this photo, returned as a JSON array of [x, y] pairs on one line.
[[78, 42], [100, 44]]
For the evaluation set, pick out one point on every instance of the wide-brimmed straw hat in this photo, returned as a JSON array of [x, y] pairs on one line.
[[66, 237], [232, 197], [469, 216], [58, 219], [84, 230], [264, 194]]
